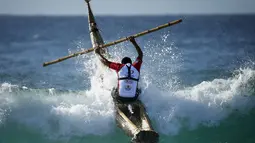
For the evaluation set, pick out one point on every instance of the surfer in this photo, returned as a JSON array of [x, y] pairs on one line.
[[128, 75]]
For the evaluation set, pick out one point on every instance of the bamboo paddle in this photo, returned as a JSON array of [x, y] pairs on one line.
[[114, 42]]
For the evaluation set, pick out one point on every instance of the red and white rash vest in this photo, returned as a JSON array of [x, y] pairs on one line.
[[128, 76]]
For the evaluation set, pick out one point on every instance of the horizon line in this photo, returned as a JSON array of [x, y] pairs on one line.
[[125, 15]]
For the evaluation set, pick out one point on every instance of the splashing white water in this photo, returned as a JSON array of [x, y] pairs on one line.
[[57, 114], [65, 114], [207, 103]]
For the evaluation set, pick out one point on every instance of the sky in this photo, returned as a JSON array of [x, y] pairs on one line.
[[126, 7]]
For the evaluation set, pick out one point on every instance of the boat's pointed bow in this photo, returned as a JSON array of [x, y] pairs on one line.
[[87, 1], [91, 17], [95, 35]]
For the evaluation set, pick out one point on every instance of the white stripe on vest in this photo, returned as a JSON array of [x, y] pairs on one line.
[[127, 87]]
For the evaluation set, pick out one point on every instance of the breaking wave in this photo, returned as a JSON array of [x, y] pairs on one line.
[[171, 106]]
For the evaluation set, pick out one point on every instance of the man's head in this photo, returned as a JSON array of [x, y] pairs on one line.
[[126, 60]]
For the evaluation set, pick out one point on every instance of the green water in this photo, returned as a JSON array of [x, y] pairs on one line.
[[238, 128]]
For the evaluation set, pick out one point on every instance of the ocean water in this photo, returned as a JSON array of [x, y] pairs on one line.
[[198, 79]]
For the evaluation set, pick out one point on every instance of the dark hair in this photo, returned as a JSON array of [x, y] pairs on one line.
[[126, 60]]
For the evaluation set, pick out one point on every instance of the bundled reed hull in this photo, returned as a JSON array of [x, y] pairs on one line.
[[133, 119], [136, 125]]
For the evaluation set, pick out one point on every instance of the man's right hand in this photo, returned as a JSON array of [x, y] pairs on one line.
[[138, 49]]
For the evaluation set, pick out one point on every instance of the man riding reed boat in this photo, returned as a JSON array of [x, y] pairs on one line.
[[128, 75], [130, 113]]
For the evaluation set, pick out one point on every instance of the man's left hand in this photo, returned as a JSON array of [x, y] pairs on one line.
[[97, 49], [131, 39]]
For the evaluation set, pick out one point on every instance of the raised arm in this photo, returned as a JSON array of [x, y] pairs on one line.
[[138, 49], [102, 58]]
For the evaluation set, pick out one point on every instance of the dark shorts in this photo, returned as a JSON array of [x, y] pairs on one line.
[[119, 99]]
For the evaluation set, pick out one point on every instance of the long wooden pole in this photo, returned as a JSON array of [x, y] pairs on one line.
[[114, 42]]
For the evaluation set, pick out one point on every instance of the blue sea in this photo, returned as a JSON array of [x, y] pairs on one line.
[[197, 79]]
